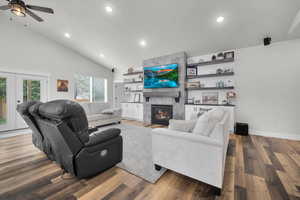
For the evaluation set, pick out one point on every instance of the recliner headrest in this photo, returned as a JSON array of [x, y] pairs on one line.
[[23, 108], [34, 109], [59, 109]]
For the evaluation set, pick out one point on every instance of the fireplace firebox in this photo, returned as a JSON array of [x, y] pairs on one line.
[[161, 114]]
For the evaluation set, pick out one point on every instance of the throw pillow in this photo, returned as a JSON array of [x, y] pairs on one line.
[[182, 125], [214, 116], [217, 114], [201, 127]]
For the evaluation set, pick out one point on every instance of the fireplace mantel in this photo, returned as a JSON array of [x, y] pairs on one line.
[[175, 94]]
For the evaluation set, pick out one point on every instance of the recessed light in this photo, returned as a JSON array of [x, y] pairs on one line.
[[67, 35], [220, 19], [143, 43], [102, 55], [108, 9]]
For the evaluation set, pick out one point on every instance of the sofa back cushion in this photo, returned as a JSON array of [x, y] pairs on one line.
[[92, 108]]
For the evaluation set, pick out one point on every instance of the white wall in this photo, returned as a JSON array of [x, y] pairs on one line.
[[27, 52], [268, 81]]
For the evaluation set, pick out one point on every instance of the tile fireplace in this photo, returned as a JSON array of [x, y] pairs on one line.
[[161, 114]]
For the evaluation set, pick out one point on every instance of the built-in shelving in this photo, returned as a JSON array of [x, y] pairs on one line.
[[135, 91], [133, 82], [133, 102], [192, 104], [133, 73], [210, 75], [211, 88], [213, 62]]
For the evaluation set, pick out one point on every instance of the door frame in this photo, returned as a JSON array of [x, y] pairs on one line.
[[12, 99], [19, 122]]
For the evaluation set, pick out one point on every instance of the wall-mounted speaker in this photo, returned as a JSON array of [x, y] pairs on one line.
[[113, 70], [267, 41]]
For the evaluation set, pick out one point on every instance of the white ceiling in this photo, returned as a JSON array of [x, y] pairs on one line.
[[168, 26]]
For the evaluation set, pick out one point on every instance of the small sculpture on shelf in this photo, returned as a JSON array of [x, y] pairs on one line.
[[130, 70], [219, 71], [214, 57], [220, 84], [228, 70], [141, 78]]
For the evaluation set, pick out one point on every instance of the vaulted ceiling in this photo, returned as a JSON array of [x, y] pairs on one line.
[[167, 25]]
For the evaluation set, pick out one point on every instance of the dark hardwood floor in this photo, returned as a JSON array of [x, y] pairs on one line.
[[256, 168]]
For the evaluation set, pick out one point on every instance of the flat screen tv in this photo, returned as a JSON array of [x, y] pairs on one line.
[[161, 76]]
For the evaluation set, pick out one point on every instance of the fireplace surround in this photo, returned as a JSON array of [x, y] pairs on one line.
[[161, 114]]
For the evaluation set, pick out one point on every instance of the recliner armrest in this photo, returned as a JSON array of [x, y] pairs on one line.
[[103, 136], [92, 130]]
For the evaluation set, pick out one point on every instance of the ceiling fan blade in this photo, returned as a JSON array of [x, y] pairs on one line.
[[34, 16], [6, 7], [42, 9]]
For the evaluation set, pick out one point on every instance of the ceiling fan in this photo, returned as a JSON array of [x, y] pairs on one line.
[[19, 8]]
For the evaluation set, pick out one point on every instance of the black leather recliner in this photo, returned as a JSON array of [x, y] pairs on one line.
[[79, 151], [38, 138]]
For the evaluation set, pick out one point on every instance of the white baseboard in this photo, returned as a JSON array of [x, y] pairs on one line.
[[290, 136]]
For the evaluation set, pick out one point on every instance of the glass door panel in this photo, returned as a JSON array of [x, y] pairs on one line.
[[31, 90], [3, 101], [6, 101]]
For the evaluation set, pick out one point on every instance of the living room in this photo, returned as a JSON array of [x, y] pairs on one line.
[[149, 100]]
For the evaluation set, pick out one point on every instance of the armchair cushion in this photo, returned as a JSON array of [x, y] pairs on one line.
[[182, 125], [102, 136]]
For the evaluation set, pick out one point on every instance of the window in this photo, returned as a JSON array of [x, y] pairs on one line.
[[91, 89], [31, 90]]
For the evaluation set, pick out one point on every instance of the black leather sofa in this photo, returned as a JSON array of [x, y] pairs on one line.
[[60, 129]]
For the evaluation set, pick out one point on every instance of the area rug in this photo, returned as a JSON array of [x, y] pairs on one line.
[[137, 152]]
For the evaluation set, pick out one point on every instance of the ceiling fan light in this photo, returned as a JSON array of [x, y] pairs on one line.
[[18, 10]]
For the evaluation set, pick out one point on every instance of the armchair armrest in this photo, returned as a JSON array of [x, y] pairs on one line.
[[187, 136], [102, 136]]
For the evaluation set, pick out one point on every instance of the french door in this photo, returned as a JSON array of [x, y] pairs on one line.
[[16, 89]]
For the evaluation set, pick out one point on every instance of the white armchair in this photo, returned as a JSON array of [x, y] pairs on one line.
[[199, 157]]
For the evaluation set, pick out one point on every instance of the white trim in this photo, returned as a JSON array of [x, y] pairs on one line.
[[291, 136], [16, 72]]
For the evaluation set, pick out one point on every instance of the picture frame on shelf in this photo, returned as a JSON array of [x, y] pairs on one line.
[[193, 84], [229, 55], [137, 97], [210, 98], [191, 71]]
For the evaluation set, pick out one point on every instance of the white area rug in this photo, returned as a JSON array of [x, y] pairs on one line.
[[137, 152]]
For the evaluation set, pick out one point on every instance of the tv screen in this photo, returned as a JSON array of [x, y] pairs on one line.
[[161, 76]]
